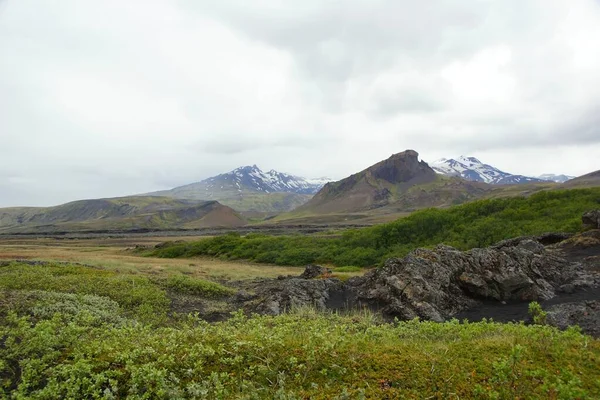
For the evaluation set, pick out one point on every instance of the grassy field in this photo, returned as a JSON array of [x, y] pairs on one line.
[[113, 254]]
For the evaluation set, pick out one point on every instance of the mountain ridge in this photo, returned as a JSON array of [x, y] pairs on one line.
[[470, 168], [401, 181], [248, 188]]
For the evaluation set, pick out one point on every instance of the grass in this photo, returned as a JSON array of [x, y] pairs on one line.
[[134, 293], [111, 254], [476, 224]]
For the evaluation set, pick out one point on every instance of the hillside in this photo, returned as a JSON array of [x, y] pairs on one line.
[[124, 213], [588, 180], [250, 189], [400, 183]]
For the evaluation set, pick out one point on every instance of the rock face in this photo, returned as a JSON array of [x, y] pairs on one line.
[[314, 271], [436, 284], [591, 219], [585, 314], [279, 296], [402, 167]]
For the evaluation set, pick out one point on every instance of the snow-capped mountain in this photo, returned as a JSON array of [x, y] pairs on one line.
[[253, 178], [556, 178], [251, 189], [472, 169]]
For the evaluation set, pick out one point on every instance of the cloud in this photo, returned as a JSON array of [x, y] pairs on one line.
[[111, 98]]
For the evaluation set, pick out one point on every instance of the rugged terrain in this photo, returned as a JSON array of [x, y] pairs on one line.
[[400, 183], [441, 283]]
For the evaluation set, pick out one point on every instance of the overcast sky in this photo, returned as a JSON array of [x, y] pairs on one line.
[[113, 97]]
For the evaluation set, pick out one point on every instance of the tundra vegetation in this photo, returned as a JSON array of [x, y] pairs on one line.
[[477, 224], [83, 331]]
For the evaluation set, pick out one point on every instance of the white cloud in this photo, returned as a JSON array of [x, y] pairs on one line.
[[112, 98]]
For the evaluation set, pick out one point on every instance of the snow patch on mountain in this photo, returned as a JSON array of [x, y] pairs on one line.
[[253, 178], [556, 178], [470, 168]]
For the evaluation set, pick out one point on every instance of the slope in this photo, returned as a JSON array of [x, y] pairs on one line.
[[400, 183], [250, 189], [124, 213], [589, 180]]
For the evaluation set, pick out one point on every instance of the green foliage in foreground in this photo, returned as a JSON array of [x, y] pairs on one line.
[[199, 287], [46, 289], [137, 296], [78, 332], [296, 356], [477, 224]]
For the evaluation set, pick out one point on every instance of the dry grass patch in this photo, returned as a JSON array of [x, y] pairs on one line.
[[112, 254]]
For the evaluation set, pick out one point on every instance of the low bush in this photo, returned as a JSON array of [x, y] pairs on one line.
[[199, 287], [296, 356], [137, 295], [477, 224]]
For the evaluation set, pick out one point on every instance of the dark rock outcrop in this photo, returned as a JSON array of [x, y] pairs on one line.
[[591, 219], [402, 167], [584, 314], [314, 271], [583, 248], [278, 296], [436, 284]]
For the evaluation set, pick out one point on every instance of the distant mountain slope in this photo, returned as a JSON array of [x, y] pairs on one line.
[[401, 182], [124, 213], [589, 180], [555, 178], [472, 169], [250, 189]]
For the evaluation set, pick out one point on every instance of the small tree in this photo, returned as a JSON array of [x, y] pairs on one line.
[[537, 313]]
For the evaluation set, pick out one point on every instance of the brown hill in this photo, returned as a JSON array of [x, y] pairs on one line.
[[401, 182], [591, 179], [123, 213]]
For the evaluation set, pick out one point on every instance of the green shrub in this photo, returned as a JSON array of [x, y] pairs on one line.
[[477, 224], [537, 314], [137, 295], [304, 355]]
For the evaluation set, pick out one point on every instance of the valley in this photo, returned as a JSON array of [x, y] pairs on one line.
[[380, 285]]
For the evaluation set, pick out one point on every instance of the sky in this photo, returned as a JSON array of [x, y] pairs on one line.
[[111, 98]]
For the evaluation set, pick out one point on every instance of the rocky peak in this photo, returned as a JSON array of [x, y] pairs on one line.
[[401, 167]]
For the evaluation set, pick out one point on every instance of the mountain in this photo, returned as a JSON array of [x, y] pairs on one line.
[[401, 182], [555, 178], [589, 180], [472, 169], [250, 189], [123, 213]]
